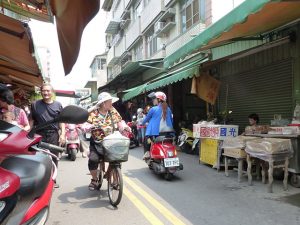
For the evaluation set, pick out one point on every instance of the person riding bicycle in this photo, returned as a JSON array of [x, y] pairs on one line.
[[159, 120], [103, 117]]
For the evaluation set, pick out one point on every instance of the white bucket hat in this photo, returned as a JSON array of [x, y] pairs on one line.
[[104, 96]]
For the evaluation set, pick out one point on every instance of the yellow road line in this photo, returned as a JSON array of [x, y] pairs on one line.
[[143, 209], [164, 211]]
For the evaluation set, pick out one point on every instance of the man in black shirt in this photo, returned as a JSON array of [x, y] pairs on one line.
[[44, 110]]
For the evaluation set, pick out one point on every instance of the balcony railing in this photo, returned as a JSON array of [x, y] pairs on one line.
[[111, 57], [152, 10], [184, 38], [120, 47]]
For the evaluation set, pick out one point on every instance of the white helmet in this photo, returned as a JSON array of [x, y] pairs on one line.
[[139, 110], [160, 95]]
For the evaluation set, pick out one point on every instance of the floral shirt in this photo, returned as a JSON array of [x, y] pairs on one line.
[[103, 123]]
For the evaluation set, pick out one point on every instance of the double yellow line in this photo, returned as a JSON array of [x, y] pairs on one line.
[[144, 209]]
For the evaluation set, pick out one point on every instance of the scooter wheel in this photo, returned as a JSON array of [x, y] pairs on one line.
[[73, 154], [168, 176]]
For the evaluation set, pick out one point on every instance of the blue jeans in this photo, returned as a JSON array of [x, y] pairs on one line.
[[141, 134]]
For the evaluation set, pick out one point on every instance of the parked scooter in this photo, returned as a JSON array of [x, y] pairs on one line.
[[27, 173], [133, 135], [72, 141], [186, 140], [163, 157]]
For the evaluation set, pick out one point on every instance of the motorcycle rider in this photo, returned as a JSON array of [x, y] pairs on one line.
[[159, 120], [103, 117]]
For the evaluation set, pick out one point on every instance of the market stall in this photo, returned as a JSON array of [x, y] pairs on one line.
[[212, 137]]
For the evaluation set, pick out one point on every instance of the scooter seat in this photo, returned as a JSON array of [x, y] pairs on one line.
[[34, 172], [164, 138]]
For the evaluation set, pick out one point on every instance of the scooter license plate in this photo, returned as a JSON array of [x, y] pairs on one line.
[[171, 162]]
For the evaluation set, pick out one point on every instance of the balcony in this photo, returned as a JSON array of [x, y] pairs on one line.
[[184, 38], [120, 47], [113, 26], [151, 12], [112, 58], [161, 28], [133, 33]]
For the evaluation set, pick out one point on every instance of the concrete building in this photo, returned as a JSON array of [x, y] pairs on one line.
[[98, 76], [140, 33]]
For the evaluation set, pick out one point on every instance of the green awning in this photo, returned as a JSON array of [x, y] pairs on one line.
[[187, 71], [131, 93], [248, 19]]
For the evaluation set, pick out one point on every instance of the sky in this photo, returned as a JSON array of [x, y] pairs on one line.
[[92, 43]]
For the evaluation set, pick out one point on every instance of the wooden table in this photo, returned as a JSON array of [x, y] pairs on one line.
[[240, 165], [273, 162]]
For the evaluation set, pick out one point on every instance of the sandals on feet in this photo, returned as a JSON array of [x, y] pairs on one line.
[[93, 185]]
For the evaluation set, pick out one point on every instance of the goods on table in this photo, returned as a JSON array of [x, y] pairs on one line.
[[269, 145], [237, 142], [259, 129]]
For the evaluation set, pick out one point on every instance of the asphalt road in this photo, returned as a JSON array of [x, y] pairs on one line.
[[196, 195]]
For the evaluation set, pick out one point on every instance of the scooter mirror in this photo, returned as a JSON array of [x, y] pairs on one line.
[[72, 114]]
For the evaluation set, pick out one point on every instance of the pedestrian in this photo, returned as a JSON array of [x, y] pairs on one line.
[[6, 104], [140, 127], [43, 111], [9, 118], [103, 118], [159, 120]]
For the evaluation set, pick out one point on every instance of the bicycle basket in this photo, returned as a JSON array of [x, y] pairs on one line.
[[116, 147]]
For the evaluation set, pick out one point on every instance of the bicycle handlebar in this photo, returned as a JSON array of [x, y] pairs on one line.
[[51, 147]]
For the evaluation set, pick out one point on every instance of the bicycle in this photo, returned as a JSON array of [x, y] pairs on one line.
[[115, 149], [114, 181]]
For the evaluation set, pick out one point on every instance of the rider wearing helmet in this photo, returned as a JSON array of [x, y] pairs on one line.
[[159, 119]]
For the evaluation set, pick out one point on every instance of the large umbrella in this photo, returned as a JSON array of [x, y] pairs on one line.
[[71, 18]]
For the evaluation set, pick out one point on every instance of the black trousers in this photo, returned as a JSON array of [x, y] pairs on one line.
[[51, 137]]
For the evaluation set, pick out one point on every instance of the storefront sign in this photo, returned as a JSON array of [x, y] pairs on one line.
[[215, 131]]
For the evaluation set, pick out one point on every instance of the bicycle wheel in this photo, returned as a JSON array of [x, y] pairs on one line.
[[100, 176], [115, 186]]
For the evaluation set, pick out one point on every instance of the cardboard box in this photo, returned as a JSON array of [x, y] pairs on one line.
[[235, 152]]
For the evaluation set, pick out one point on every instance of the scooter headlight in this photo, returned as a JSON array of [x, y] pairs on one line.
[[2, 205]]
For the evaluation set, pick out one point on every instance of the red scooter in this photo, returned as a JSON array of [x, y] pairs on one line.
[[163, 157], [27, 173], [72, 141], [132, 135]]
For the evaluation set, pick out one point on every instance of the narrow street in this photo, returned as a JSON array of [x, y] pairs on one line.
[[196, 195]]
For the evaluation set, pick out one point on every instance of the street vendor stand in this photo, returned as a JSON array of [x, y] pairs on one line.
[[294, 161], [212, 137]]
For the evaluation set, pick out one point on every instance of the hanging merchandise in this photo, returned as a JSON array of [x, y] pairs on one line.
[[206, 87]]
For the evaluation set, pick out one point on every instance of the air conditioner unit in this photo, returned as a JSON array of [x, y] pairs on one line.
[[124, 23], [158, 26]]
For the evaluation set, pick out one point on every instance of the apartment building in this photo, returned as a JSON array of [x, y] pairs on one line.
[[149, 30], [98, 75]]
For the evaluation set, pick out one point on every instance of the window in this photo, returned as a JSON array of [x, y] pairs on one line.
[[191, 14], [151, 44], [137, 10]]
